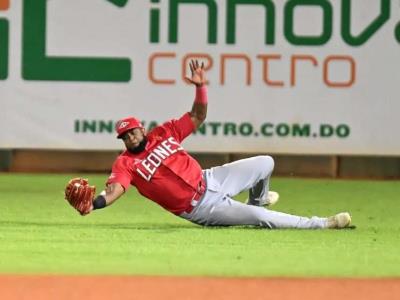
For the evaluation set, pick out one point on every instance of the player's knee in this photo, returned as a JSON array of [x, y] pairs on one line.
[[267, 163]]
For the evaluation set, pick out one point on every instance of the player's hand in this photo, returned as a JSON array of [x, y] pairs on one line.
[[198, 74]]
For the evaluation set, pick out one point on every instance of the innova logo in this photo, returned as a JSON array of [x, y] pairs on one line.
[[37, 65]]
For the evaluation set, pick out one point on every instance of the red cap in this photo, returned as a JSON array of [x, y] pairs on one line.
[[126, 124]]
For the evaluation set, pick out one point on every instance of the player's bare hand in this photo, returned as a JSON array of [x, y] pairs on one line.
[[198, 74]]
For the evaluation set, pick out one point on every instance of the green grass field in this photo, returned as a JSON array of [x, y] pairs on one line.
[[41, 233]]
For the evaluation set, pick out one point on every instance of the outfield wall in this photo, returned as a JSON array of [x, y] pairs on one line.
[[295, 77], [313, 83], [63, 161]]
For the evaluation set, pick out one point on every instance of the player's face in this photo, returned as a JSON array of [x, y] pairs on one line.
[[133, 138]]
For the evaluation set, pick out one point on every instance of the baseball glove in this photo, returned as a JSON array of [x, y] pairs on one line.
[[80, 195]]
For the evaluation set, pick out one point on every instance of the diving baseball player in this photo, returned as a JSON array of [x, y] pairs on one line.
[[162, 171]]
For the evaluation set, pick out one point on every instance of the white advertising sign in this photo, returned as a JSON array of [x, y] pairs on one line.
[[295, 76]]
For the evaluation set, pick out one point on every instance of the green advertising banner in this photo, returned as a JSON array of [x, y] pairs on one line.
[[294, 76]]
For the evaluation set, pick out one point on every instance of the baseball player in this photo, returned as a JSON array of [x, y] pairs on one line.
[[159, 167]]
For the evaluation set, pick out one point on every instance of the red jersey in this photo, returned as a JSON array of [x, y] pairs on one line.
[[164, 172]]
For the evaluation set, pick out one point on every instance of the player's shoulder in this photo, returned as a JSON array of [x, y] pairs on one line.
[[123, 159], [160, 130]]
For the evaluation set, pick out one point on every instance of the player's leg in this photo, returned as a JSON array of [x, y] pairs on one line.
[[260, 195], [219, 210], [251, 174]]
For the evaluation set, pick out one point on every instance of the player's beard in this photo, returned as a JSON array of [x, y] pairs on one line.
[[139, 148]]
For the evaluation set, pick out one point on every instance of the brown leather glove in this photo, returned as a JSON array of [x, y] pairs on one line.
[[80, 195]]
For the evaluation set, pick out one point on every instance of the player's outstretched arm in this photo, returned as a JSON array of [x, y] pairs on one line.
[[198, 78], [108, 196]]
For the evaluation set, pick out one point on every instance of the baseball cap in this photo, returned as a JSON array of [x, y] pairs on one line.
[[126, 124]]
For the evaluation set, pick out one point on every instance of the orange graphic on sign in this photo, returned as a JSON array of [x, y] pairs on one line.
[[4, 4]]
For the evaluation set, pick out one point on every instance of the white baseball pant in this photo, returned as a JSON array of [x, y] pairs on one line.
[[217, 208]]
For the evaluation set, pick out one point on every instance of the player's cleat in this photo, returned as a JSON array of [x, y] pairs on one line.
[[271, 199], [340, 220]]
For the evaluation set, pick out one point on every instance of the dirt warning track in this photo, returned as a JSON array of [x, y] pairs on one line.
[[148, 287]]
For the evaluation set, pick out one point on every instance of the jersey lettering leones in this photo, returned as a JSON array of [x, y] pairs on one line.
[[147, 167]]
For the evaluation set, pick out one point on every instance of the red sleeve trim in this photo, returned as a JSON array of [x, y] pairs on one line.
[[124, 184]]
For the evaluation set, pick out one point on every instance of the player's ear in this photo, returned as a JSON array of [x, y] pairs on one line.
[[143, 131]]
